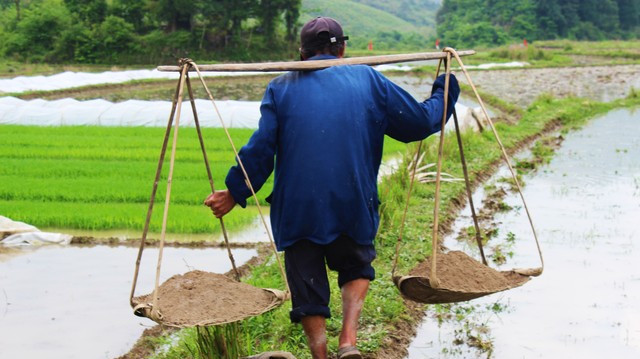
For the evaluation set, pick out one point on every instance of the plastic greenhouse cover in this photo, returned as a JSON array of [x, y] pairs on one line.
[[70, 79], [70, 112]]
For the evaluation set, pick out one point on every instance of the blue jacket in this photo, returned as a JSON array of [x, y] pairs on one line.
[[325, 129]]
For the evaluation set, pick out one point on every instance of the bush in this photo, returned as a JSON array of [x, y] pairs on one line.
[[473, 34], [586, 31], [35, 35], [160, 46], [115, 37], [75, 43]]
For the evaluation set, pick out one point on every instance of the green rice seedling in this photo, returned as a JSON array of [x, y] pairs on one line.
[[100, 178]]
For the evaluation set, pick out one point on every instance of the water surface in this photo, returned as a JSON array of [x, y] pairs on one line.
[[73, 301]]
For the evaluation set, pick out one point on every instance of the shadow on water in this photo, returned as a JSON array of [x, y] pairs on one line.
[[586, 206], [73, 301]]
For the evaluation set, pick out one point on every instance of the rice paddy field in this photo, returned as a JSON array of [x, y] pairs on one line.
[[100, 178]]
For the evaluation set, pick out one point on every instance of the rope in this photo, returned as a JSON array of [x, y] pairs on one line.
[[406, 206], [433, 279], [468, 187], [206, 164], [246, 176], [537, 271], [165, 214], [154, 190]]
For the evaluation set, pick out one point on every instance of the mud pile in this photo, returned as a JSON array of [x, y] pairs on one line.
[[458, 272], [203, 298]]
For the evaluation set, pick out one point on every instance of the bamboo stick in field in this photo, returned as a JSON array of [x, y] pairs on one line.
[[320, 64]]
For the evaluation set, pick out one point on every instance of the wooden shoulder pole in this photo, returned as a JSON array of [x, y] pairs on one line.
[[319, 64]]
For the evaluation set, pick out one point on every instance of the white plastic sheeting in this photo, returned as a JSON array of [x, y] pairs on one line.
[[9, 226], [70, 79], [70, 112], [393, 67], [36, 238], [22, 234], [494, 65]]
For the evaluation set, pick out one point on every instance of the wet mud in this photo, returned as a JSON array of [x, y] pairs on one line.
[[523, 86]]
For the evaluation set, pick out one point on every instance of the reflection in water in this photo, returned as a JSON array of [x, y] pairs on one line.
[[253, 233], [586, 205], [73, 302]]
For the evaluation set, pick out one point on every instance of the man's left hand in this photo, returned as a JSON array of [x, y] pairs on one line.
[[220, 202]]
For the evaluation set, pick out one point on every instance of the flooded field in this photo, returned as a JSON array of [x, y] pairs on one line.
[[73, 302], [586, 205]]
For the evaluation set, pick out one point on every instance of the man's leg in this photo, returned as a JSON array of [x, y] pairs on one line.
[[353, 294], [315, 328], [353, 263], [307, 277]]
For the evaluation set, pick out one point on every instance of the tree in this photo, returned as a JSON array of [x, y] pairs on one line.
[[607, 20], [35, 35], [629, 14], [177, 14], [291, 15], [90, 11], [132, 11], [569, 9], [550, 20]]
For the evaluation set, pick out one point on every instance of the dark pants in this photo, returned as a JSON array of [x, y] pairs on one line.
[[307, 273]]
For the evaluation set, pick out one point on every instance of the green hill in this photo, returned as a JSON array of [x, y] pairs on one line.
[[363, 22], [417, 12]]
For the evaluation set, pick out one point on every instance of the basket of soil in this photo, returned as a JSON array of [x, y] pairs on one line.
[[200, 298], [454, 276], [461, 278]]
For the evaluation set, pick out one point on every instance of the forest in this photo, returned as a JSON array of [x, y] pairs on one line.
[[146, 31], [160, 31], [465, 23]]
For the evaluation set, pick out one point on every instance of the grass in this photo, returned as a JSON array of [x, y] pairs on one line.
[[100, 178], [559, 53], [615, 49], [384, 310]]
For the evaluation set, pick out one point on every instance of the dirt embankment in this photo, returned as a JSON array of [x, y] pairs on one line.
[[523, 86], [242, 88]]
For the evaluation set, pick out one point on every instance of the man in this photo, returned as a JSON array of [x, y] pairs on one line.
[[326, 129]]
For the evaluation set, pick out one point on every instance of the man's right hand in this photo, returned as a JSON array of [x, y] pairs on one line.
[[220, 202]]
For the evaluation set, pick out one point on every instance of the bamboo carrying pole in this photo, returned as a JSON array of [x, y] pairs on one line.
[[320, 64]]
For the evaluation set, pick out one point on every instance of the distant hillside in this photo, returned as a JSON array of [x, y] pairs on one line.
[[370, 20], [417, 12]]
